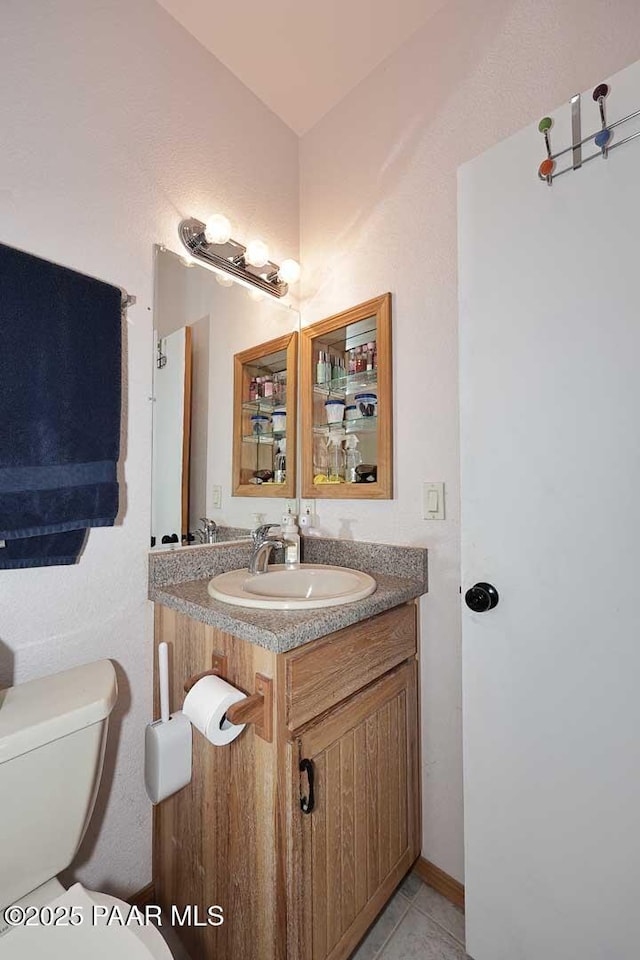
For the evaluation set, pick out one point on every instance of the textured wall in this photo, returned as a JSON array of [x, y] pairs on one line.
[[117, 125], [378, 212]]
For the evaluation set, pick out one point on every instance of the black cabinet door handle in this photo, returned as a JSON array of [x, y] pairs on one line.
[[307, 803], [482, 597]]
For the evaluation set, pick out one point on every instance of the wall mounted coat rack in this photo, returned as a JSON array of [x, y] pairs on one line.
[[601, 138]]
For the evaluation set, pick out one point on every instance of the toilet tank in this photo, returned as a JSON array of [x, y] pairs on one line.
[[52, 739]]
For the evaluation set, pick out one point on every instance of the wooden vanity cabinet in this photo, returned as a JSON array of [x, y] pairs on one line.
[[295, 885]]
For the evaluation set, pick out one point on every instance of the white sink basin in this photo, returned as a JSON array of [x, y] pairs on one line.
[[302, 587]]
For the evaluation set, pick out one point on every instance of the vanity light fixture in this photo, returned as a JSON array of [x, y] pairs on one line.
[[289, 271], [257, 253], [217, 229], [211, 245]]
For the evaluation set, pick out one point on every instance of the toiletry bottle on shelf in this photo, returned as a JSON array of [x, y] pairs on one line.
[[352, 459], [320, 368], [280, 462], [352, 361], [268, 387], [290, 532], [253, 389], [370, 355], [335, 458], [361, 362]]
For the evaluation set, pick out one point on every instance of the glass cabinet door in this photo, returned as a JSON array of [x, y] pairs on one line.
[[347, 404], [265, 399]]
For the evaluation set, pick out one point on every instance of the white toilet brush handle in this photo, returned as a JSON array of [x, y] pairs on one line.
[[163, 672]]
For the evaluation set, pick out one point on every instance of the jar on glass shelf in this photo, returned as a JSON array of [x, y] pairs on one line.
[[334, 408], [260, 424]]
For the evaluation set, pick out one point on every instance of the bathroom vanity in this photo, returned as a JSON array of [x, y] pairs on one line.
[[302, 827]]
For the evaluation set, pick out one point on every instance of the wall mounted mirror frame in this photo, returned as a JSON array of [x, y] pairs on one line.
[[265, 426], [338, 403]]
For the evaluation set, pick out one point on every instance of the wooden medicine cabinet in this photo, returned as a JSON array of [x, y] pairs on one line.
[[346, 404], [264, 419]]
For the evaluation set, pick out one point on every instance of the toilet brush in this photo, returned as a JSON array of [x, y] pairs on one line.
[[167, 743]]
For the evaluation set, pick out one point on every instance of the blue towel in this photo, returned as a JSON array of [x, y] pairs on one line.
[[60, 381]]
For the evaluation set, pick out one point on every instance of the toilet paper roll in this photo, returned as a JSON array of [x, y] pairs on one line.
[[206, 705]]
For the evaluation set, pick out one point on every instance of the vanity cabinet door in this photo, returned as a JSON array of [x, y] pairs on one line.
[[362, 834]]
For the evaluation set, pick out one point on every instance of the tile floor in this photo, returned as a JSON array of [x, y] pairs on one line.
[[416, 924]]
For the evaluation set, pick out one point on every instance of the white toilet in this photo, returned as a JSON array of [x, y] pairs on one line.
[[52, 739]]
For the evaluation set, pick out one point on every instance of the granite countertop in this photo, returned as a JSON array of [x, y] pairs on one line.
[[282, 630], [179, 580]]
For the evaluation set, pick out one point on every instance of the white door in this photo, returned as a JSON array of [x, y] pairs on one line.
[[171, 435], [550, 396]]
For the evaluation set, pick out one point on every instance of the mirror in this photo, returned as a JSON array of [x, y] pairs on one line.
[[201, 326], [346, 404]]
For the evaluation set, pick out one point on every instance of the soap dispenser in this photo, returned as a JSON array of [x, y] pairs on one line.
[[290, 532]]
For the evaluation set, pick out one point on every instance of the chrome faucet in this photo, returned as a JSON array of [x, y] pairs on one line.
[[208, 532], [263, 544]]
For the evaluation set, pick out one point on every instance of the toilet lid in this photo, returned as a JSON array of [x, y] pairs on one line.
[[98, 935]]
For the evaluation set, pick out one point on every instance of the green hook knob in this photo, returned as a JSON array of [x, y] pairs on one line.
[[545, 124]]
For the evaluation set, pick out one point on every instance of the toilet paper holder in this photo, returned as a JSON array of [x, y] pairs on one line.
[[257, 708]]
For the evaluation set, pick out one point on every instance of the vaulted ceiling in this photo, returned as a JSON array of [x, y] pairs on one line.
[[301, 57]]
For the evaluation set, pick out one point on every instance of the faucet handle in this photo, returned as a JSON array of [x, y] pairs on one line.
[[262, 532], [207, 533]]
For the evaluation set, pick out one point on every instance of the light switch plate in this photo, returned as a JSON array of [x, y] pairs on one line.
[[216, 496], [433, 501], [307, 514]]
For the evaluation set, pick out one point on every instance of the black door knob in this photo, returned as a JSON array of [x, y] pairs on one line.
[[481, 597]]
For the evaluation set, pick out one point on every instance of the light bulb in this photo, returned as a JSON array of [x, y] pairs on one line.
[[224, 280], [289, 271], [256, 295], [217, 229], [257, 253]]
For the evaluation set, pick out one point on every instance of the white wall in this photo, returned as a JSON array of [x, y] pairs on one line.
[[378, 212], [118, 124]]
